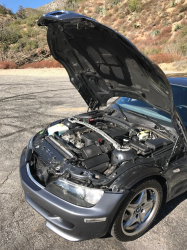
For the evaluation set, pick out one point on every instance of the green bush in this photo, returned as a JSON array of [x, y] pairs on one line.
[[20, 14], [108, 14], [102, 11], [134, 5], [177, 27], [151, 51], [184, 31], [31, 44], [9, 35], [183, 48], [122, 29], [114, 2], [4, 47], [16, 22], [18, 46], [173, 4], [183, 39], [121, 16], [72, 4], [24, 33], [31, 21], [155, 32], [97, 9], [181, 15], [4, 11]]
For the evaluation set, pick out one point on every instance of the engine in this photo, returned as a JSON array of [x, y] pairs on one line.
[[93, 144]]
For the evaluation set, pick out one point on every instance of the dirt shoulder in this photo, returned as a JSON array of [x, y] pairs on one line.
[[45, 72], [55, 72]]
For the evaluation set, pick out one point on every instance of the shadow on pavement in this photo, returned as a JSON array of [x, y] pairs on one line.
[[168, 207], [165, 210]]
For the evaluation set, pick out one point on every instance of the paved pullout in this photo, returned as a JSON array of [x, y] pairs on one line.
[[28, 104]]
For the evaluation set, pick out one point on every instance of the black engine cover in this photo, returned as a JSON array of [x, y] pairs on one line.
[[95, 161], [91, 151], [90, 138]]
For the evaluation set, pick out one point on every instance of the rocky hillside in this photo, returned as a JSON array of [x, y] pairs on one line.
[[54, 5], [158, 29], [21, 40]]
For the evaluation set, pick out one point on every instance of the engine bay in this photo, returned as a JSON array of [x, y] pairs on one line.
[[92, 147]]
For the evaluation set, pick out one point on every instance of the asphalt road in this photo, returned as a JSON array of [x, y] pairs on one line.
[[28, 104]]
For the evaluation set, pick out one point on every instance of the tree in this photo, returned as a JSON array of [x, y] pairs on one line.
[[20, 14], [3, 43]]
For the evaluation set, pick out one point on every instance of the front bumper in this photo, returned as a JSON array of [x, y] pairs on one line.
[[66, 219]]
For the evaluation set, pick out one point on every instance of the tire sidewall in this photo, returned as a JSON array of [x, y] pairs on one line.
[[116, 230]]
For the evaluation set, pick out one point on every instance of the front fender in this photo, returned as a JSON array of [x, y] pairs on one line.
[[134, 175]]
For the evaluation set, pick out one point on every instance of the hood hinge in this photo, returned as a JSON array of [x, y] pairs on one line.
[[92, 105]]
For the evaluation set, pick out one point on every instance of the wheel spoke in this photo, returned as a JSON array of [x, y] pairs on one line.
[[143, 198], [139, 211], [131, 208], [148, 205], [130, 222], [142, 216]]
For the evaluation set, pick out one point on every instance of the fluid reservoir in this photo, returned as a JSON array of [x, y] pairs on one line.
[[118, 156], [143, 135], [60, 128]]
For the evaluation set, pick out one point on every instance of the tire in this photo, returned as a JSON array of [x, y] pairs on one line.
[[138, 211]]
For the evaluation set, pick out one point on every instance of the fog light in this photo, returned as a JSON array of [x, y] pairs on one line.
[[87, 220]]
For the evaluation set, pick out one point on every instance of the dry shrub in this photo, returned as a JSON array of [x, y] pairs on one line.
[[119, 22], [89, 11], [132, 37], [42, 64], [105, 19], [7, 65], [164, 58], [113, 19], [115, 9], [183, 8]]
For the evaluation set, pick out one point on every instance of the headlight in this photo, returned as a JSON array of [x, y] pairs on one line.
[[29, 150], [74, 193]]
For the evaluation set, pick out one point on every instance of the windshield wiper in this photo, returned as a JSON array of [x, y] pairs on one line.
[[158, 126]]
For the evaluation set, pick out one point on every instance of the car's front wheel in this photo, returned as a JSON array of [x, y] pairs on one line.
[[138, 211]]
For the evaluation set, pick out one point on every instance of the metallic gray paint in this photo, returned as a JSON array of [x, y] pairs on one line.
[[65, 218]]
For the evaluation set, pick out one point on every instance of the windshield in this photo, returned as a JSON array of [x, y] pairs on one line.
[[142, 108], [180, 101]]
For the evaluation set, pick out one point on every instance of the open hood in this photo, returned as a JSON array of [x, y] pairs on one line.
[[102, 63]]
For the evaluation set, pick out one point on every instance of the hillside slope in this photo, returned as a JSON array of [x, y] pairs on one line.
[[54, 5], [158, 29]]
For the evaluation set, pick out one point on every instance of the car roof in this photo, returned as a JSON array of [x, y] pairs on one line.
[[179, 79]]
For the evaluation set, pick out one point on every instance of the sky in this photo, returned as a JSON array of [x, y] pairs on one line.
[[14, 4]]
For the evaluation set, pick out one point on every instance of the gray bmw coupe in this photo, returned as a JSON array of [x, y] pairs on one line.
[[110, 169]]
